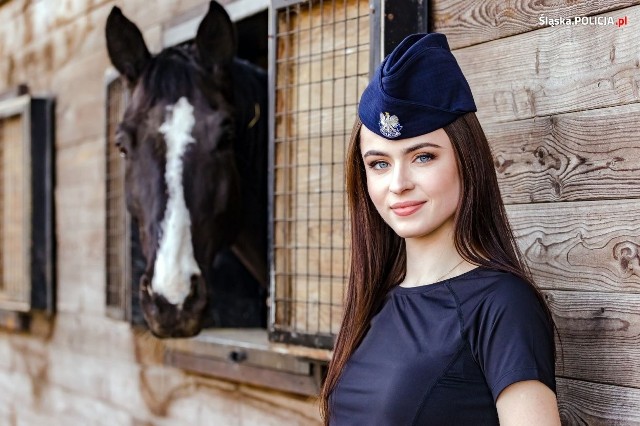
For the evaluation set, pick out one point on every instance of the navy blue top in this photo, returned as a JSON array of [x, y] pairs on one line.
[[440, 354]]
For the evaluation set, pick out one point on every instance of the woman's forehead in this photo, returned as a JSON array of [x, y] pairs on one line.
[[369, 140]]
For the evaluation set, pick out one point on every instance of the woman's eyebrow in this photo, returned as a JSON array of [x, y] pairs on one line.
[[373, 152], [406, 150], [420, 146]]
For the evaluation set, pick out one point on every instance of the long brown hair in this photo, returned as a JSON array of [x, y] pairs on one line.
[[482, 236]]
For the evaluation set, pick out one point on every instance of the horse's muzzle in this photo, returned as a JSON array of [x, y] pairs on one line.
[[167, 320]]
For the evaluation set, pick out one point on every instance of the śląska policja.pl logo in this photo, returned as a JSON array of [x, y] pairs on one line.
[[583, 20]]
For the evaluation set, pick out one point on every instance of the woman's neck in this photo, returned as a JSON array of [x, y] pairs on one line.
[[433, 257]]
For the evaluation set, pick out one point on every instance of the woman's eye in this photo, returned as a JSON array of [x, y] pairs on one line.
[[424, 158], [379, 165]]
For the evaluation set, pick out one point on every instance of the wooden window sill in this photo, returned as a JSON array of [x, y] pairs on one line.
[[247, 356]]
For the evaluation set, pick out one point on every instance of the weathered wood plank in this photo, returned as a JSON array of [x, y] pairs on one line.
[[39, 60], [71, 408], [246, 405], [94, 336], [587, 155], [289, 408], [120, 384], [16, 387], [82, 208], [80, 285], [600, 336], [12, 8], [284, 381], [554, 70], [585, 246], [84, 159], [211, 341], [472, 22], [31, 21], [593, 404], [153, 392]]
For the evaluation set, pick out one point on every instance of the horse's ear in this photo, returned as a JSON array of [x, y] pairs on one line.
[[216, 37], [127, 50]]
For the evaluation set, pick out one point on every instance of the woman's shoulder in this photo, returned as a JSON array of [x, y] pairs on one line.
[[495, 288]]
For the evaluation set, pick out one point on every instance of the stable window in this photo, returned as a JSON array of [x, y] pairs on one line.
[[321, 66], [124, 262], [320, 56], [26, 208]]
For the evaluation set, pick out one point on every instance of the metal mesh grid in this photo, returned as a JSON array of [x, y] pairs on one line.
[[117, 222], [322, 66], [15, 282]]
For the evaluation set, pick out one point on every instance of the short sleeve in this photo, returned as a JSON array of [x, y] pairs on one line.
[[512, 338]]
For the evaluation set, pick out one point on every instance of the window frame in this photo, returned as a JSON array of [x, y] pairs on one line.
[[37, 115]]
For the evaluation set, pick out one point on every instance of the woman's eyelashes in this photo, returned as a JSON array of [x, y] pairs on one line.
[[378, 165], [422, 158]]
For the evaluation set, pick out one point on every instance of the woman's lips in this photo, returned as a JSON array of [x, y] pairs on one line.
[[407, 208]]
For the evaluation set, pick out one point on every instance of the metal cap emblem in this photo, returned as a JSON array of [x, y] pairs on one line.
[[389, 125]]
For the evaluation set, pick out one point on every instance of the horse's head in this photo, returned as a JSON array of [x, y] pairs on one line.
[[177, 136]]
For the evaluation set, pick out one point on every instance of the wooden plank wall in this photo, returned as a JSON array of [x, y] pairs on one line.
[[560, 108], [84, 368]]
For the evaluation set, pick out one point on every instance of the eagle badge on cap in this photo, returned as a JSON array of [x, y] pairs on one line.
[[389, 125]]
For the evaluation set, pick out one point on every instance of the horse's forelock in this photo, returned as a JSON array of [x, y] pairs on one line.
[[171, 74]]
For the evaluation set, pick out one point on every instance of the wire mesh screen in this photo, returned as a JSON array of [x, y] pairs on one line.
[[117, 236], [321, 68], [15, 281]]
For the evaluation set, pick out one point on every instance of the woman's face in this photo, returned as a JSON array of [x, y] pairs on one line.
[[414, 183]]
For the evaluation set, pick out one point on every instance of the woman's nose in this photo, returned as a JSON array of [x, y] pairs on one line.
[[400, 180]]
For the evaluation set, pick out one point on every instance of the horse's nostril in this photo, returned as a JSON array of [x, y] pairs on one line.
[[195, 281], [144, 283]]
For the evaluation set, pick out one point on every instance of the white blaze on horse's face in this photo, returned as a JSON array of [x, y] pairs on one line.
[[175, 263]]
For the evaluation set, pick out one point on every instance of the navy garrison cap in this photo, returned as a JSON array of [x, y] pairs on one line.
[[417, 89]]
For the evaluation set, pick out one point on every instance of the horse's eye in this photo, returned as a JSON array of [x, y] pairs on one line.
[[122, 141], [121, 148]]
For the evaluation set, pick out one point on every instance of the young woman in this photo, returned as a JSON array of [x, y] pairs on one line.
[[442, 323]]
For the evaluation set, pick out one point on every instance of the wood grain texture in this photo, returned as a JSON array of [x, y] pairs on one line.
[[584, 246], [587, 155], [599, 334], [554, 70], [288, 382], [592, 404], [472, 22]]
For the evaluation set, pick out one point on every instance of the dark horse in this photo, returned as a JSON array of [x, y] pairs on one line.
[[194, 136]]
